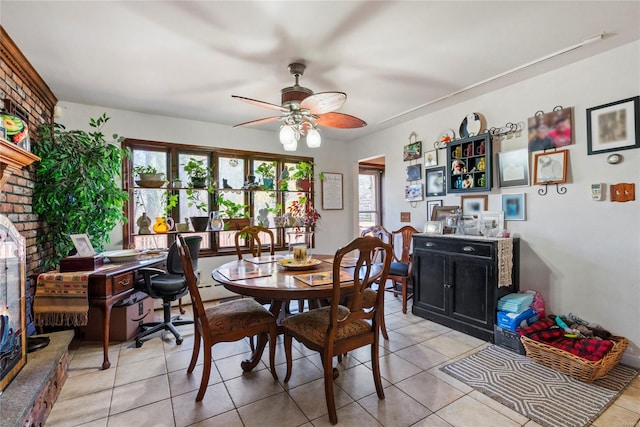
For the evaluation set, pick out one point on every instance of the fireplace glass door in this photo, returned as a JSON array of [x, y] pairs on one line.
[[13, 339]]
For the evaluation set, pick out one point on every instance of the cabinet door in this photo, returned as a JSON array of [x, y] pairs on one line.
[[430, 268], [471, 291]]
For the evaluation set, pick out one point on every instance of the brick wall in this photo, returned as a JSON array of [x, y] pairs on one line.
[[22, 87]]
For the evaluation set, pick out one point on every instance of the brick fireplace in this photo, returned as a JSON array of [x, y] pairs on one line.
[[23, 91]]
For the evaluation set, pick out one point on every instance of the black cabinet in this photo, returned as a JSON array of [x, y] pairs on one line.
[[456, 281], [469, 164]]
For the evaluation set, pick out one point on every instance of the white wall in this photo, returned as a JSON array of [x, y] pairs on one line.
[[581, 255]]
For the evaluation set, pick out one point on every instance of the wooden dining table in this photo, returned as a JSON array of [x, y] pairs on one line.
[[278, 285]]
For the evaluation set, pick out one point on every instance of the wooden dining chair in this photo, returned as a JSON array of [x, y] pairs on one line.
[[337, 329], [400, 270], [381, 233], [225, 322], [251, 235]]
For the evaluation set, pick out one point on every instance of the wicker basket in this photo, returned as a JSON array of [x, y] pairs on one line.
[[572, 365]]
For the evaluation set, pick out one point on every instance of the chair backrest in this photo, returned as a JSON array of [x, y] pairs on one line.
[[251, 234], [406, 234], [381, 233], [174, 266], [368, 273], [185, 256]]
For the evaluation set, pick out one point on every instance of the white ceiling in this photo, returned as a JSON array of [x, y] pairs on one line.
[[185, 59]]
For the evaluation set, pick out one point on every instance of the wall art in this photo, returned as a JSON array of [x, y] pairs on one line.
[[614, 126]]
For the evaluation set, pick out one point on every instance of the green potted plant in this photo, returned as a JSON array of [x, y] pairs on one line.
[[148, 176], [302, 173], [194, 199], [77, 188], [235, 213], [267, 170], [198, 173]]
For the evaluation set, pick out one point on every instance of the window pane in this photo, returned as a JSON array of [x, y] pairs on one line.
[[232, 170], [156, 159], [367, 192]]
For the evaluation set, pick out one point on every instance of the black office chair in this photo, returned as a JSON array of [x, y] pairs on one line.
[[168, 286]]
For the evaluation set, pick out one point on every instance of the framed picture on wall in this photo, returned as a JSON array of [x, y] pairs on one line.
[[551, 130], [614, 126], [430, 158], [513, 168], [513, 207], [432, 204], [473, 205], [414, 172], [413, 193], [412, 151], [550, 167], [435, 181]]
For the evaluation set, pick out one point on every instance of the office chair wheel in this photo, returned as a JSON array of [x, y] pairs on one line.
[[138, 343]]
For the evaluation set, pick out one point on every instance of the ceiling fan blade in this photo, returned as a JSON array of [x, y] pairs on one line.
[[339, 120], [324, 102], [262, 103], [259, 121]]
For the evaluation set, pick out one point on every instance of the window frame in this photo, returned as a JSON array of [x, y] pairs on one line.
[[173, 150]]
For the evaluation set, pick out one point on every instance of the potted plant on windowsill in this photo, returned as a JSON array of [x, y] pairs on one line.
[[148, 176], [235, 214], [267, 170], [198, 173], [302, 173], [199, 222], [302, 214]]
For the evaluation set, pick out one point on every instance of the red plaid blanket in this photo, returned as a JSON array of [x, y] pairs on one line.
[[546, 331]]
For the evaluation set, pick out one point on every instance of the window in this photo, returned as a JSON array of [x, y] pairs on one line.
[[369, 200], [255, 184]]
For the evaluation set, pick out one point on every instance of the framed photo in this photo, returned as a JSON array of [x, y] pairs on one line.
[[440, 213], [473, 205], [433, 227], [551, 130], [550, 167], [413, 193], [332, 197], [435, 181], [83, 245], [430, 205], [614, 126], [513, 168], [412, 151], [490, 222], [430, 158], [414, 172], [513, 207]]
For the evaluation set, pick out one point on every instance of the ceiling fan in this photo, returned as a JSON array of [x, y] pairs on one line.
[[303, 111]]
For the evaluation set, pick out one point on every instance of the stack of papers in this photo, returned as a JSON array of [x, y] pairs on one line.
[[515, 303]]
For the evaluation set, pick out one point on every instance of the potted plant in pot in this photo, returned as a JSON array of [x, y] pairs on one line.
[[302, 214], [198, 173], [194, 199], [303, 173], [267, 170], [235, 213], [148, 176], [77, 188]]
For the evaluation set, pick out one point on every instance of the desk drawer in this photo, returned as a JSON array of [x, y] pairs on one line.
[[457, 246], [122, 282]]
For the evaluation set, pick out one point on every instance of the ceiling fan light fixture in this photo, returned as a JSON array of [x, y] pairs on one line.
[[313, 138], [291, 145], [289, 135]]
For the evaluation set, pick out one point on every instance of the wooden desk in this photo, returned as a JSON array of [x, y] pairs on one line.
[[113, 283], [279, 287]]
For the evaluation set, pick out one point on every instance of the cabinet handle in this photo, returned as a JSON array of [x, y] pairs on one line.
[[429, 244], [469, 249], [448, 286], [124, 282]]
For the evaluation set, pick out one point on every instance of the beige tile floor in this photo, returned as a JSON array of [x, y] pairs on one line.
[[148, 386]]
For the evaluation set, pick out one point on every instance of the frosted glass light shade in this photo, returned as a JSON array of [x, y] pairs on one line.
[[288, 135], [313, 138]]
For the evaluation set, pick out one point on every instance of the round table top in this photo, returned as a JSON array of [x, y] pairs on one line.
[[278, 283]]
